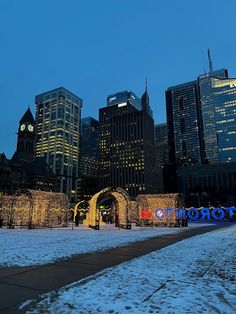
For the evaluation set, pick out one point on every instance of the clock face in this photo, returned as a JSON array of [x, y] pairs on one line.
[[22, 127], [30, 127]]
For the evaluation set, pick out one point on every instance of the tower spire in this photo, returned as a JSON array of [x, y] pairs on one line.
[[209, 61], [145, 100]]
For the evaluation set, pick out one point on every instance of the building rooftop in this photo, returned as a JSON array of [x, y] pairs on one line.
[[27, 117], [56, 90]]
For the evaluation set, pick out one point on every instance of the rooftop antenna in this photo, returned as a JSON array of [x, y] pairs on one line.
[[209, 61], [145, 83]]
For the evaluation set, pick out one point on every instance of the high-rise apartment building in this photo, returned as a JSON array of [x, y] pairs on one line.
[[58, 115], [126, 144]]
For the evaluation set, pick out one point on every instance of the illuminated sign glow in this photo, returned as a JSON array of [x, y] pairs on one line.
[[159, 214], [193, 213], [146, 214], [122, 104]]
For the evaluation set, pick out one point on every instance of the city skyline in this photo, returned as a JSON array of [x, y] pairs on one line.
[[166, 43]]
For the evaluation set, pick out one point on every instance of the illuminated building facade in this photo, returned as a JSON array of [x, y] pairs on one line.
[[124, 97], [209, 134], [224, 97], [58, 115], [126, 145]]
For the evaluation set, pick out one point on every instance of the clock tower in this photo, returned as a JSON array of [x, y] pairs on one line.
[[26, 138]]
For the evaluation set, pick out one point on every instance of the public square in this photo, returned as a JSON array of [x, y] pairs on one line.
[[143, 270]]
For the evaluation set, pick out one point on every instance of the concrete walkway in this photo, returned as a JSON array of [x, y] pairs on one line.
[[18, 284]]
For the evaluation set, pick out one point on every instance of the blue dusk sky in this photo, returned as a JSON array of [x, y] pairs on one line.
[[98, 47]]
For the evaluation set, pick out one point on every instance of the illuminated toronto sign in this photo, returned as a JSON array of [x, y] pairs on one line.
[[203, 213], [146, 214]]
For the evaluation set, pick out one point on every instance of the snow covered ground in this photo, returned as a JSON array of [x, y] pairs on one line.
[[196, 275], [23, 247]]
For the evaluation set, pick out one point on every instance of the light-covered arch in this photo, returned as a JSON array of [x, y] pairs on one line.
[[122, 203], [34, 208], [13, 213]]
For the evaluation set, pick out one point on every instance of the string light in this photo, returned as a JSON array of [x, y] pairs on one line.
[[35, 208]]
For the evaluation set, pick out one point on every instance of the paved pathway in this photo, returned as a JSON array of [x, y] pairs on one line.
[[18, 284]]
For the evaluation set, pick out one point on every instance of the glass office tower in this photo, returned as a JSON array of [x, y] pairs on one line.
[[58, 115], [161, 143], [192, 121], [224, 97], [88, 166], [184, 124], [89, 147], [210, 140]]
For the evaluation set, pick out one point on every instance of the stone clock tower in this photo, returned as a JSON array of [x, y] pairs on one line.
[[26, 138]]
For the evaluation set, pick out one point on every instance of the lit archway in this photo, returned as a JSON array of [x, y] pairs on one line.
[[33, 208], [122, 205]]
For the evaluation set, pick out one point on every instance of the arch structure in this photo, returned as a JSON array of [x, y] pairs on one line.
[[78, 211], [23, 196], [33, 208], [122, 206], [77, 208]]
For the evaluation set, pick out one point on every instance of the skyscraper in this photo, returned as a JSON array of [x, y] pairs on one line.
[[209, 134], [89, 147], [145, 102], [58, 115], [126, 145], [88, 165], [184, 124], [161, 143], [224, 97], [192, 119], [201, 135]]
